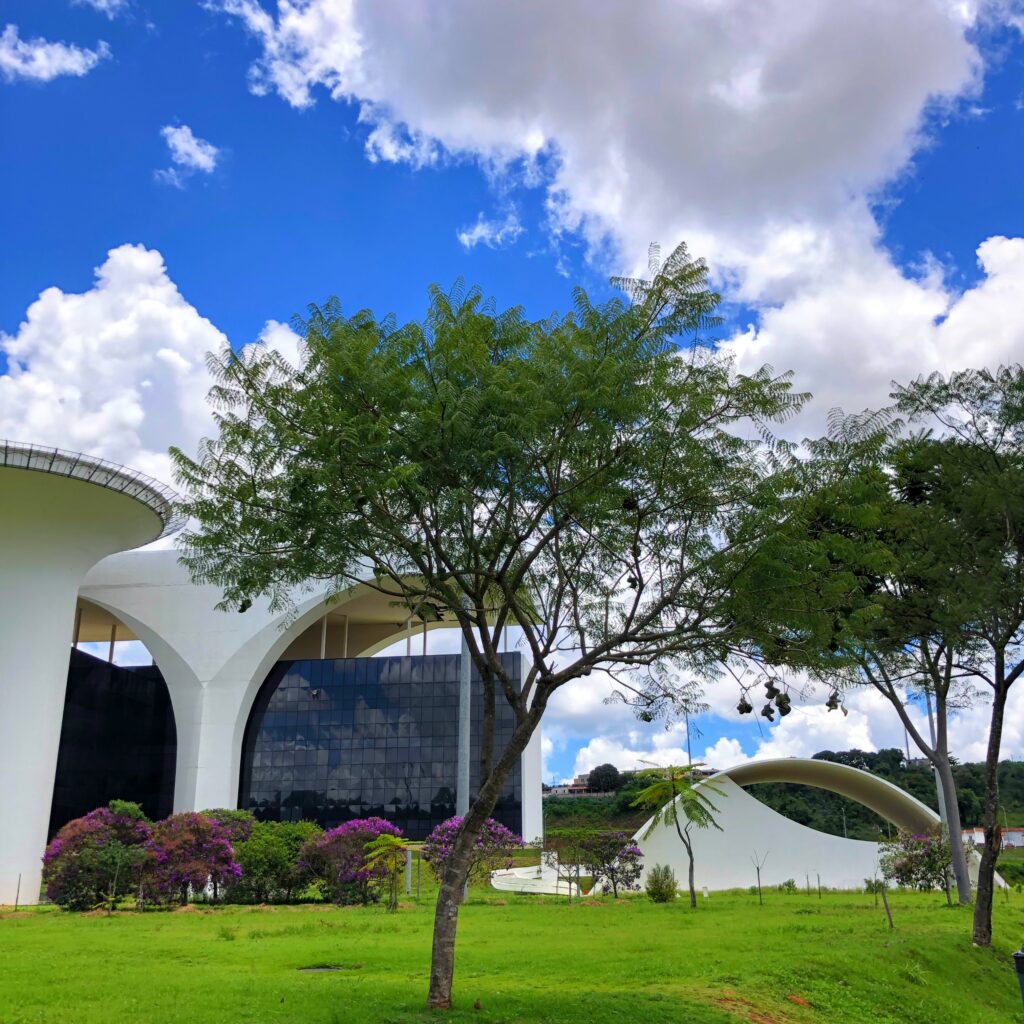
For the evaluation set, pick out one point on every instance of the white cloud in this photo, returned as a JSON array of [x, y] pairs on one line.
[[492, 233], [40, 60], [117, 371], [111, 8], [751, 130], [189, 154]]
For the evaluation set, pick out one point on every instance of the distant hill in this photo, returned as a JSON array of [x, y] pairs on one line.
[[818, 808]]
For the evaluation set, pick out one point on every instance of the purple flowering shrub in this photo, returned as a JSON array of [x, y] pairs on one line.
[[337, 860], [491, 851], [97, 858], [916, 861], [613, 858], [188, 852]]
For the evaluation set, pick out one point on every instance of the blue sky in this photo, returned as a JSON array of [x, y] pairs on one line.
[[853, 175]]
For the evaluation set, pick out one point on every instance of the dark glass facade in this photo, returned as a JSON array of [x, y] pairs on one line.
[[117, 740], [329, 741]]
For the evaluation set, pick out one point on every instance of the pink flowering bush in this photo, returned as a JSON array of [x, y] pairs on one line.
[[188, 852], [97, 858], [337, 860], [491, 851], [917, 861]]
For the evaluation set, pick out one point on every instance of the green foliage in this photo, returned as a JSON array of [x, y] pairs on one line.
[[916, 861], [386, 854], [269, 862], [678, 797], [661, 885], [605, 778], [237, 824], [127, 809], [788, 886]]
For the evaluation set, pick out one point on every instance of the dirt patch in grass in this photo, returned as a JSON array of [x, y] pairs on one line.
[[740, 1007]]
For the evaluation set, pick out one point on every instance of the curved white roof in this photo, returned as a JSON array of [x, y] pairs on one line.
[[157, 497]]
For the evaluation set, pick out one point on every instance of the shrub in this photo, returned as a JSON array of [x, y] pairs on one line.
[[661, 883], [237, 824], [189, 852], [97, 858], [614, 858], [269, 860], [917, 861], [788, 886], [336, 859], [491, 851]]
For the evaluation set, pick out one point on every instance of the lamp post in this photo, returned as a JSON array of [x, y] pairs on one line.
[[1018, 962]]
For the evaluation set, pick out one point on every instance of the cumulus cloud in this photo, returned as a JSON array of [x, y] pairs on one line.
[[189, 154], [117, 371], [40, 60], [751, 130]]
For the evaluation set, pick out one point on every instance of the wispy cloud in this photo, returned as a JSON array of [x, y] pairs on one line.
[[40, 60], [189, 154], [492, 233], [111, 8]]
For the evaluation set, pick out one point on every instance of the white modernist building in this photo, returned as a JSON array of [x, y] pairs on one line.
[[750, 831], [68, 573]]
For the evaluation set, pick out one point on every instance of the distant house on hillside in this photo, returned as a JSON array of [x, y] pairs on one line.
[[1012, 837]]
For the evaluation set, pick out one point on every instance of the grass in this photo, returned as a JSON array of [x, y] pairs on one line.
[[796, 960]]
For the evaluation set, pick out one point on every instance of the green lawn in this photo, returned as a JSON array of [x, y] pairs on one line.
[[529, 959]]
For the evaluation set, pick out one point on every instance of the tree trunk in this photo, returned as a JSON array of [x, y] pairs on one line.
[[982, 935], [693, 891], [958, 855], [456, 872]]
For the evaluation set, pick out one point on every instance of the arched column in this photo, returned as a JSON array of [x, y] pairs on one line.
[[53, 529]]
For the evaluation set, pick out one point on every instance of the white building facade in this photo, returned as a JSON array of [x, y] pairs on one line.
[[70, 573]]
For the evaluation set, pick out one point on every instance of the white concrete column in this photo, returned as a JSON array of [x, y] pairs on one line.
[[52, 531], [209, 753]]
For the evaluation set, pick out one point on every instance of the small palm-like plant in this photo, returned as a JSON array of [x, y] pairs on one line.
[[386, 854], [677, 800]]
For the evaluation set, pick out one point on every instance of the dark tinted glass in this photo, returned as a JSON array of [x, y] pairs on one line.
[[329, 741], [117, 741]]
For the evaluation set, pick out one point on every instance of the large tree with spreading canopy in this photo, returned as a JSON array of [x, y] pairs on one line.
[[600, 479]]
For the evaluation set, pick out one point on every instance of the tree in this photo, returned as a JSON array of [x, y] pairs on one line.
[[386, 855], [582, 477], [189, 852], [913, 550], [336, 859], [491, 850], [977, 483], [917, 861], [269, 860], [564, 853], [97, 858], [876, 608], [676, 799], [605, 778], [614, 858]]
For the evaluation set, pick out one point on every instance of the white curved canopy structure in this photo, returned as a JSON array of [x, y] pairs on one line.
[[60, 513], [752, 830]]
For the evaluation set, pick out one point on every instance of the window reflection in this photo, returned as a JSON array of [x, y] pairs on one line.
[[333, 740]]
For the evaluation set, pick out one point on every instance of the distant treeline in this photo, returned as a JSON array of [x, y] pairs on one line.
[[818, 808]]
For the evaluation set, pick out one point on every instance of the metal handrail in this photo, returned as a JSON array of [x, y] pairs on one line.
[[157, 497]]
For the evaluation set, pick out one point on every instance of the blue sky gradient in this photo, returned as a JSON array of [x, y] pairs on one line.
[[295, 211]]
